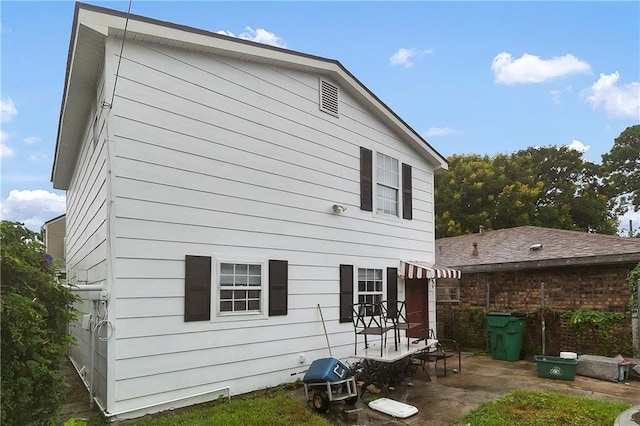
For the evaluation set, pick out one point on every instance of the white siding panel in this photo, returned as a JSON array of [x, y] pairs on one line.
[[217, 157], [86, 237]]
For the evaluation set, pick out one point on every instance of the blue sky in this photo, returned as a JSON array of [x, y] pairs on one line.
[[470, 77]]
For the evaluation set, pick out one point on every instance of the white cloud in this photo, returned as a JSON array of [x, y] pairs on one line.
[[617, 100], [5, 150], [32, 140], [8, 110], [577, 145], [259, 35], [531, 69], [403, 57], [32, 207], [38, 156], [556, 95], [440, 131]]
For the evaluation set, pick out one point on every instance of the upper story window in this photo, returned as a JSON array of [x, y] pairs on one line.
[[387, 181], [393, 185]]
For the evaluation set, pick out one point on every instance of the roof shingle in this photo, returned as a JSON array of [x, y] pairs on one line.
[[532, 246]]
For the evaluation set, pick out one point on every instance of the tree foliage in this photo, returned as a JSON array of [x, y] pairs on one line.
[[35, 313], [622, 167], [542, 186]]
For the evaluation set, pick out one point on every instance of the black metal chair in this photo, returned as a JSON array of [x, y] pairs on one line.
[[445, 348], [369, 319], [396, 316]]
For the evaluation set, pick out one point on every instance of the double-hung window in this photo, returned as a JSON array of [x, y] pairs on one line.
[[240, 287], [370, 287], [390, 191], [387, 184]]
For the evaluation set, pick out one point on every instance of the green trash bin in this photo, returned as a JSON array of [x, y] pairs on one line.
[[505, 334]]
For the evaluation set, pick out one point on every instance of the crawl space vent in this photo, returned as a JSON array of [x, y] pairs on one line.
[[328, 98]]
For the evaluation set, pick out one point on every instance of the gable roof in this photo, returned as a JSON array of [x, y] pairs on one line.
[[93, 24], [528, 247]]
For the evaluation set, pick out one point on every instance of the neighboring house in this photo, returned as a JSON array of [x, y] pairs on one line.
[[53, 235], [220, 192], [507, 268]]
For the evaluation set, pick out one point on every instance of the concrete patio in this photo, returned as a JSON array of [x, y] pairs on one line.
[[445, 400]]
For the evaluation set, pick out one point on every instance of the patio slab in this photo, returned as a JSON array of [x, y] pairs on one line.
[[446, 400]]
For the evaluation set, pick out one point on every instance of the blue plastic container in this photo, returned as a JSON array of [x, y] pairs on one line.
[[326, 370]]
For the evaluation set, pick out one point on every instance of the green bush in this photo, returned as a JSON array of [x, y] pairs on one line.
[[35, 311]]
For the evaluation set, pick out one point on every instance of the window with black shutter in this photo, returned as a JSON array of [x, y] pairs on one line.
[[197, 288], [390, 182], [278, 287]]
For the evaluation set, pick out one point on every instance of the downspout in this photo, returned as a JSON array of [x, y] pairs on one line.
[[637, 328], [544, 326]]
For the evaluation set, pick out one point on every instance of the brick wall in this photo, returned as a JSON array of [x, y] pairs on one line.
[[566, 288]]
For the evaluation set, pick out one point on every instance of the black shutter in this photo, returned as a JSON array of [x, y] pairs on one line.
[[392, 292], [366, 179], [197, 288], [278, 287], [346, 293], [407, 195]]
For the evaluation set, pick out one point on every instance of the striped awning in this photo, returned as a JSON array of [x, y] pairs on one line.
[[413, 269]]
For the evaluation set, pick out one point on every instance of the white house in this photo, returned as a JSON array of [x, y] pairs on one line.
[[219, 192]]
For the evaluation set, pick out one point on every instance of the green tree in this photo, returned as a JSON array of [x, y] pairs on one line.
[[35, 313], [622, 165], [543, 186]]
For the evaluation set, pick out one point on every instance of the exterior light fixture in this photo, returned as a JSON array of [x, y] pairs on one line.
[[337, 208]]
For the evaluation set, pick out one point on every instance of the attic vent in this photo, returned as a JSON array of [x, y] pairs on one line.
[[328, 98]]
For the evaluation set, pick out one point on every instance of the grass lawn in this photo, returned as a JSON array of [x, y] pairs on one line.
[[537, 408], [273, 407], [277, 407]]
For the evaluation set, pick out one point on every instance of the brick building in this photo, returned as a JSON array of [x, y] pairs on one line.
[[512, 268]]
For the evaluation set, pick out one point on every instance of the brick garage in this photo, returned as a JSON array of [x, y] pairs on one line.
[[505, 269]]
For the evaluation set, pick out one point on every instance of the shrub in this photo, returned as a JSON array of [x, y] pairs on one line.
[[35, 312]]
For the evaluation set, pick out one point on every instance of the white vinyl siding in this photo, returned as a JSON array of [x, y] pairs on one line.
[[218, 156], [87, 237]]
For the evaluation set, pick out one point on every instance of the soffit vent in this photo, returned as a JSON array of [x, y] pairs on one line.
[[328, 98]]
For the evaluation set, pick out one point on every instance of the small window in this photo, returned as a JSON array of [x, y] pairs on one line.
[[447, 291], [329, 98], [369, 286], [240, 288], [387, 184]]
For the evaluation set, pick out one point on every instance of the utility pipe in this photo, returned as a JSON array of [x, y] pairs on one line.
[[544, 325]]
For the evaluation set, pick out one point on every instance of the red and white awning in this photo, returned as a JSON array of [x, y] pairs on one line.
[[412, 269]]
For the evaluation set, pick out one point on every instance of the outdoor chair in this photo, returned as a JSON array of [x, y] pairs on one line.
[[396, 316], [445, 348], [370, 319]]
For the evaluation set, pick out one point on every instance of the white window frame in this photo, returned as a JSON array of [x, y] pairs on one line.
[[377, 184], [356, 281], [219, 315]]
